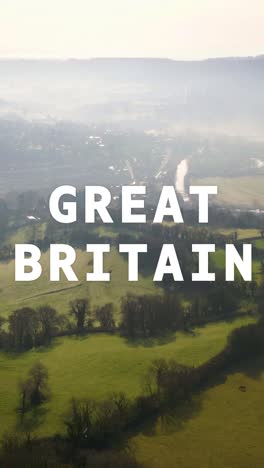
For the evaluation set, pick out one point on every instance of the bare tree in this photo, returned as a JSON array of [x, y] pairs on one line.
[[105, 316], [80, 309], [38, 376], [50, 322]]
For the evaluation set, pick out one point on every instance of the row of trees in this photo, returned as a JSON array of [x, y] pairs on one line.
[[101, 425], [141, 316], [151, 315], [26, 328], [166, 384], [81, 311], [147, 316]]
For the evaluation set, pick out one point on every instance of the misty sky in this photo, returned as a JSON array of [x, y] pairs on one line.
[[180, 29]]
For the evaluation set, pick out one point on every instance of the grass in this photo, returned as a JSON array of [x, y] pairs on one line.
[[58, 294], [31, 231], [244, 192], [259, 244], [222, 427], [98, 365], [241, 233]]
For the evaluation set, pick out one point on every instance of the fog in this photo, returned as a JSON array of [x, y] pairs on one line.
[[214, 95]]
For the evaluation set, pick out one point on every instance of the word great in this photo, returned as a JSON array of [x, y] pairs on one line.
[[97, 201], [168, 204]]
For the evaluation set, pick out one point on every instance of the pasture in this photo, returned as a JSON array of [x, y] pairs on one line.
[[238, 192], [97, 365], [221, 427], [58, 294]]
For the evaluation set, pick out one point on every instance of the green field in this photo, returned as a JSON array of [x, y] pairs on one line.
[[241, 233], [58, 294], [237, 192], [98, 365], [14, 295], [221, 428], [30, 232], [259, 244]]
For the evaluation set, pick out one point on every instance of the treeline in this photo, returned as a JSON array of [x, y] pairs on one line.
[[220, 300], [142, 316], [101, 426], [166, 384], [150, 316], [26, 452], [27, 328]]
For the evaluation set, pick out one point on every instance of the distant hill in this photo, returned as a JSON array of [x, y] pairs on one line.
[[220, 94]]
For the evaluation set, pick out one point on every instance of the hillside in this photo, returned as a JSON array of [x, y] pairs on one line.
[[221, 428], [96, 366], [139, 93]]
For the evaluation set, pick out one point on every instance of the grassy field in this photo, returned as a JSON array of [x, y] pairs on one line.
[[241, 233], [259, 244], [221, 427], [98, 365], [58, 294], [244, 192]]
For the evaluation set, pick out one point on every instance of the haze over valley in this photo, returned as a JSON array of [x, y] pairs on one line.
[[116, 121]]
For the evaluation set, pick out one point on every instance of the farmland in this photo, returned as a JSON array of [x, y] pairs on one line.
[[97, 365], [220, 428]]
